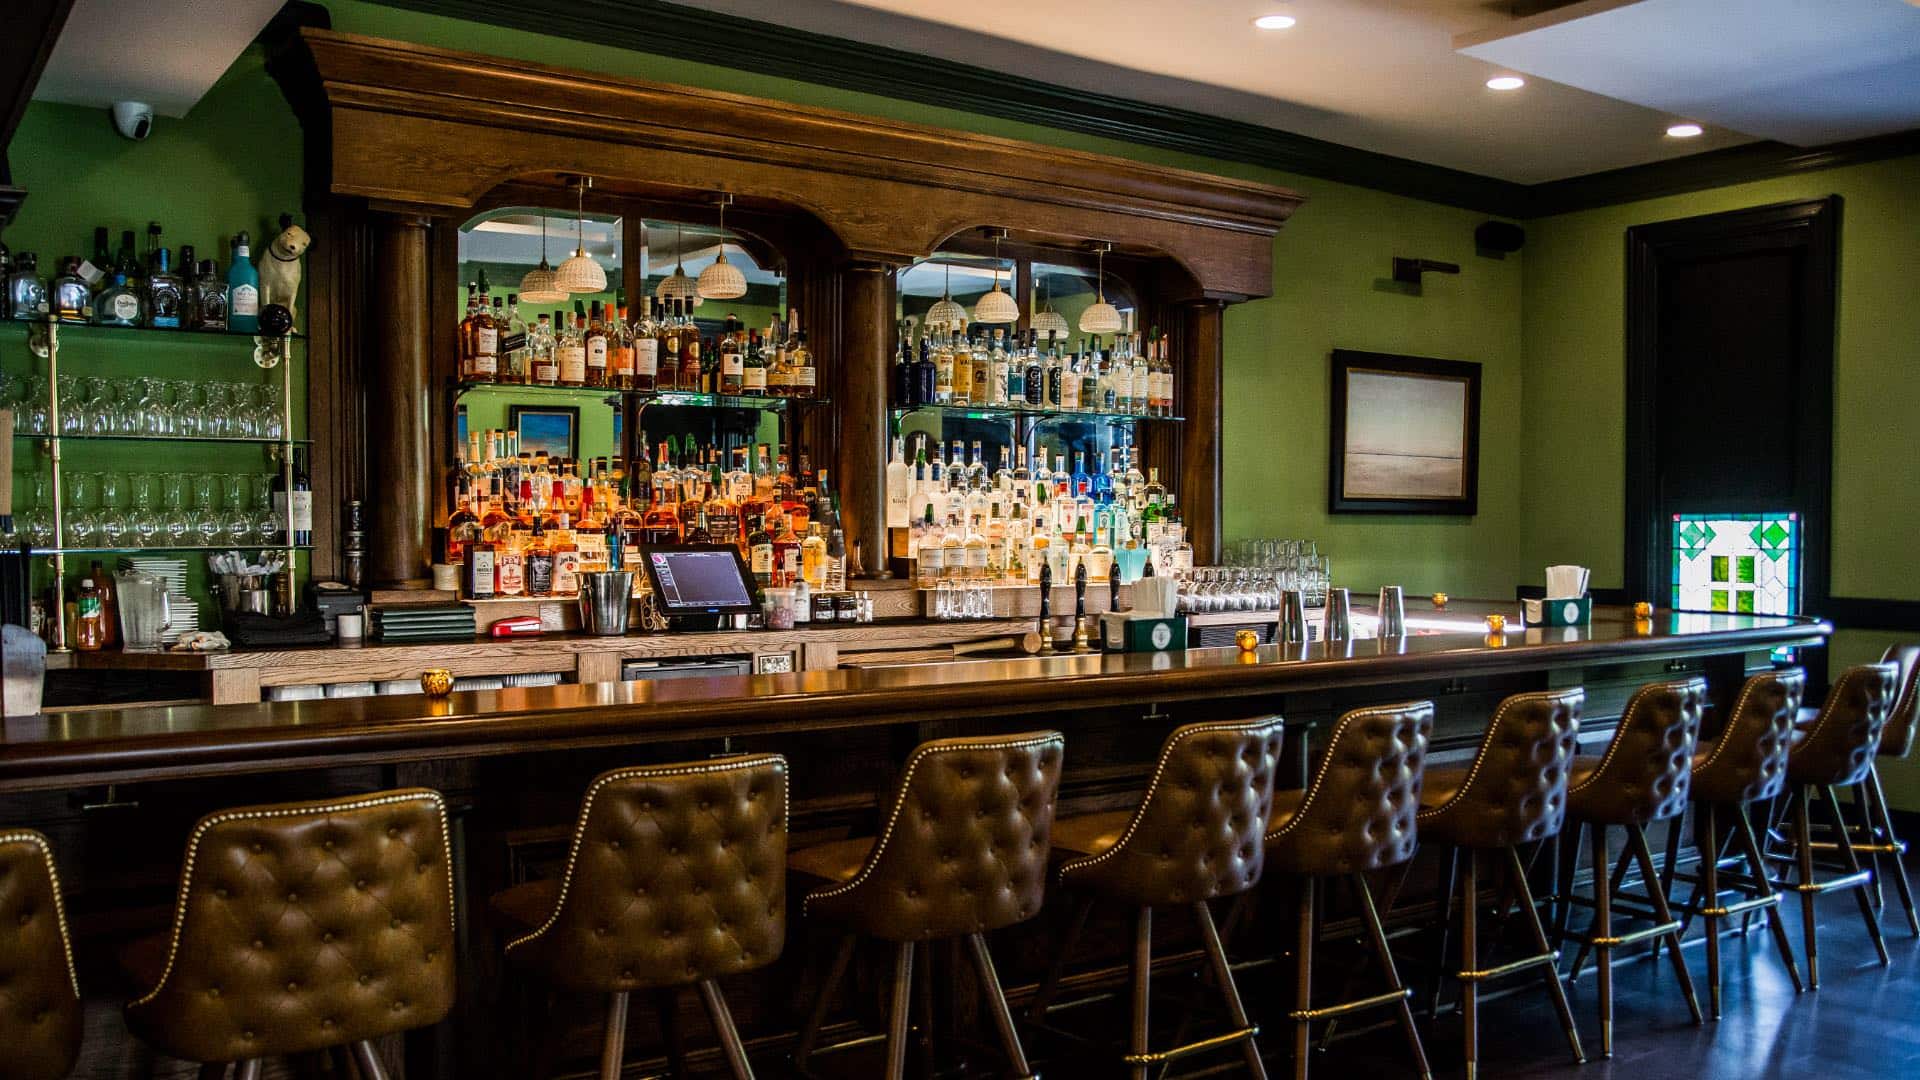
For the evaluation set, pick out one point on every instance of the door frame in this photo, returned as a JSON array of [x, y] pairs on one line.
[[1811, 226]]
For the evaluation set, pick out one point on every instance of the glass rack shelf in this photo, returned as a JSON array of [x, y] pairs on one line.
[[1001, 412], [223, 440], [652, 397], [161, 331], [125, 549]]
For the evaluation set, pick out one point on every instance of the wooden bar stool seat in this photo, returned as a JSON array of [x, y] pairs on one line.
[[1356, 815], [1513, 793], [963, 852], [676, 877], [1643, 777], [302, 927], [1195, 837], [40, 1019]]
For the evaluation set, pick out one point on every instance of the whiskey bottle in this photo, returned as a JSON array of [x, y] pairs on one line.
[[962, 354], [753, 370], [539, 558], [732, 359], [619, 350], [646, 348], [571, 350], [482, 336], [514, 350], [209, 298], [544, 364], [594, 339], [72, 300]]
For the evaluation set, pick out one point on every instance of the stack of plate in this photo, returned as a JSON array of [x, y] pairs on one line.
[[424, 622], [182, 609]]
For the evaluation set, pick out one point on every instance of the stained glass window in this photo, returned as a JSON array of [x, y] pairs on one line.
[[1738, 563]]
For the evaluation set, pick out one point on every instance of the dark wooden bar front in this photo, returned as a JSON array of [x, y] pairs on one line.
[[119, 790]]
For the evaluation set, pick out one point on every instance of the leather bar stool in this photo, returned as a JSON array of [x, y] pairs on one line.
[[1642, 778], [1195, 837], [1513, 793], [676, 877], [1356, 815], [302, 927], [1746, 764], [1837, 752], [39, 992], [964, 852], [1876, 836]]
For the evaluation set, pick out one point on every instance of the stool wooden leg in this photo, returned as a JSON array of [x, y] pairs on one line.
[[613, 1050], [666, 1006], [1757, 867], [1602, 933], [897, 1018], [1384, 953], [1876, 798], [817, 1015], [1450, 881], [1142, 971], [1637, 839], [923, 1007], [722, 1019], [997, 1006], [1050, 984], [1803, 854], [1851, 860], [250, 1070], [367, 1061], [1549, 972], [1710, 893], [1229, 994], [1470, 962]]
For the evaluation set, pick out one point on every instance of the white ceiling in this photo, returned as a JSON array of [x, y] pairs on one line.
[[1380, 75], [166, 53], [1806, 72]]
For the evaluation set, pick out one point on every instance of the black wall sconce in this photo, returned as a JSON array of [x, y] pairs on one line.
[[1408, 271]]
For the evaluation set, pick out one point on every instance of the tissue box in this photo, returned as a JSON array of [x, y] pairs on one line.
[[1567, 611], [1122, 632]]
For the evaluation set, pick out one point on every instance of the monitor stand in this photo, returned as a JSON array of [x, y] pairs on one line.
[[694, 624]]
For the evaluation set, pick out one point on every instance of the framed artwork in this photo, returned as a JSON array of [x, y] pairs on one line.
[[1405, 435], [552, 429]]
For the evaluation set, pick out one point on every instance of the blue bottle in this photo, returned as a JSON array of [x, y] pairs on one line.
[[243, 290]]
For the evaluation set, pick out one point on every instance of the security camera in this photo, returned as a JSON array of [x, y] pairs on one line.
[[134, 119]]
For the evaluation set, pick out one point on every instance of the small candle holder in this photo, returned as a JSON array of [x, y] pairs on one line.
[[1643, 610], [436, 682], [1248, 640], [1496, 624], [1440, 601]]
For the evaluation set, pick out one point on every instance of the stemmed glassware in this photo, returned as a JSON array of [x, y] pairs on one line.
[[268, 527], [145, 520], [205, 517], [82, 525], [111, 524], [176, 523], [236, 523]]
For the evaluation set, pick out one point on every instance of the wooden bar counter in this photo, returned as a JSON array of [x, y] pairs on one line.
[[117, 790]]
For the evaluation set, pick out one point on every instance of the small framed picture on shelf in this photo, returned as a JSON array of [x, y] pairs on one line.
[[550, 429], [1405, 435]]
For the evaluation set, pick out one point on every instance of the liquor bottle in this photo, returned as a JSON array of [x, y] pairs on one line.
[[1036, 377], [463, 331], [925, 376], [514, 351], [982, 393], [661, 524], [120, 304], [962, 353], [510, 567], [566, 557], [594, 341], [1166, 377], [72, 300], [732, 358], [302, 498], [778, 352], [693, 375], [899, 489], [786, 553], [697, 527], [805, 381], [1056, 378], [646, 348], [97, 271], [990, 372], [209, 298], [943, 372], [539, 562], [753, 370], [928, 561], [166, 294], [570, 349], [1017, 374], [1071, 377], [670, 333], [543, 353], [243, 289], [900, 379], [620, 354], [836, 580], [760, 553], [476, 573], [482, 337], [26, 289], [953, 552], [463, 526], [813, 557], [723, 514]]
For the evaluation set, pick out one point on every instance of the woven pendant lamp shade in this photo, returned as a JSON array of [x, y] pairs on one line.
[[1101, 318], [580, 274], [722, 280], [676, 286], [1050, 324], [946, 313], [996, 307], [540, 285]]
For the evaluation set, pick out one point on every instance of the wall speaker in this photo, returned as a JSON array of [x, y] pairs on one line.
[[1501, 236]]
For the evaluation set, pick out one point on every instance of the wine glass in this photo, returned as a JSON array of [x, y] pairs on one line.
[[273, 420], [144, 519], [176, 524], [236, 522], [204, 517], [73, 411], [111, 523], [82, 526], [34, 404], [36, 526], [268, 527]]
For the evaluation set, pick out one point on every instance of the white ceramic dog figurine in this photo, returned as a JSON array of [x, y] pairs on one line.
[[279, 265]]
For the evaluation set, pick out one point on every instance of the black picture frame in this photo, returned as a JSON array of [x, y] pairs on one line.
[[1347, 496], [544, 440]]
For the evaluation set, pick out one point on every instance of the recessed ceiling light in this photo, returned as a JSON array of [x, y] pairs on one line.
[[1684, 131], [1506, 82], [1274, 22]]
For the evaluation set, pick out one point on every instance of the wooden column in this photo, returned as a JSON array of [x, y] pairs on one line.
[[1199, 401], [400, 459], [866, 337]]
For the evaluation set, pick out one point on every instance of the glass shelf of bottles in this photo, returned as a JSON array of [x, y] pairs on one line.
[[1002, 412], [218, 440], [116, 328], [655, 397]]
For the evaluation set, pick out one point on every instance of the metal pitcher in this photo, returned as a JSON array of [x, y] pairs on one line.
[[604, 595]]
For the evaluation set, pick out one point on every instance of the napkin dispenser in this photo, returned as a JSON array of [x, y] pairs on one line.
[[1566, 602], [1153, 625]]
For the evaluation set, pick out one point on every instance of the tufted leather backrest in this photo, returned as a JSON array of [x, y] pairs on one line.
[[1904, 721], [306, 925], [1645, 774], [1358, 811], [1748, 762], [1516, 791], [1840, 745], [1197, 833], [965, 844], [39, 992], [677, 874]]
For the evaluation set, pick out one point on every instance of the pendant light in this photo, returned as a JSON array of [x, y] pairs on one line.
[[1101, 318], [677, 285], [538, 286], [580, 274], [996, 306], [946, 314], [1047, 322], [722, 280]]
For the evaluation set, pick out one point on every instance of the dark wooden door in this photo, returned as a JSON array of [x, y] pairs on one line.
[[1730, 321]]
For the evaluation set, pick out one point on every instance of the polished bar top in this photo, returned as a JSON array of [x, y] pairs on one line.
[[66, 748]]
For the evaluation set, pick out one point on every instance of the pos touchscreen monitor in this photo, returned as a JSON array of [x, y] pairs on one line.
[[698, 579]]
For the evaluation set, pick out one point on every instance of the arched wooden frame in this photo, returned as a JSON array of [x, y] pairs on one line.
[[422, 137]]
